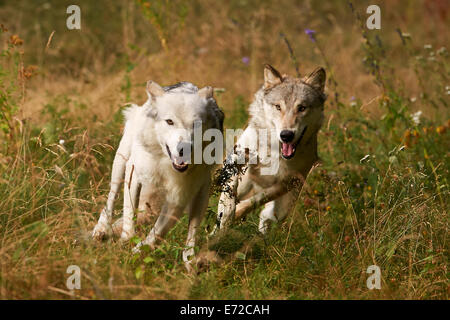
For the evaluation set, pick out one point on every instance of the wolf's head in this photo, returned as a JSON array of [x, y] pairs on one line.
[[294, 106], [177, 110]]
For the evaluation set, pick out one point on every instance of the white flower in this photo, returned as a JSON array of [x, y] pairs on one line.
[[428, 46], [416, 117], [442, 51], [367, 156], [61, 142]]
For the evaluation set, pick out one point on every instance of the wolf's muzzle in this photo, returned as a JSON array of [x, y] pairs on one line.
[[287, 136], [287, 147], [179, 162]]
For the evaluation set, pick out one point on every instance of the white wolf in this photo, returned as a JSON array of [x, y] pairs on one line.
[[153, 159], [291, 108]]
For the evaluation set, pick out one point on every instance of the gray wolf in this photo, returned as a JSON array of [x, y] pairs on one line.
[[292, 109], [153, 160]]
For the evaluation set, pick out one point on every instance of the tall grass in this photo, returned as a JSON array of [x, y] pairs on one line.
[[380, 195]]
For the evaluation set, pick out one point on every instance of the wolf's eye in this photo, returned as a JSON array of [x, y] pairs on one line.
[[277, 106], [169, 122], [301, 108]]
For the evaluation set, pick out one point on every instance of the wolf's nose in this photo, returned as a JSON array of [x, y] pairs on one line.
[[286, 136]]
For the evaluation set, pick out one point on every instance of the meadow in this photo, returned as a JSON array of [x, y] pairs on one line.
[[380, 195]]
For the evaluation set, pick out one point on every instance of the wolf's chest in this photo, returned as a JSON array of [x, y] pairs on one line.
[[286, 169]]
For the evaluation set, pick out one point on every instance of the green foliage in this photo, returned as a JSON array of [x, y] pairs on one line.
[[165, 16], [239, 115], [10, 94]]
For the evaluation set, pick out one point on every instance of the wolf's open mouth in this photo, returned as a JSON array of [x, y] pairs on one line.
[[288, 149], [179, 167]]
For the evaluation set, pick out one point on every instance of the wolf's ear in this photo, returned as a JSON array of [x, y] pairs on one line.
[[271, 76], [152, 113], [154, 90], [317, 79], [206, 92]]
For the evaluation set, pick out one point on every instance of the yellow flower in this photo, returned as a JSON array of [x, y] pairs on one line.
[[15, 40], [29, 71], [440, 129], [407, 136]]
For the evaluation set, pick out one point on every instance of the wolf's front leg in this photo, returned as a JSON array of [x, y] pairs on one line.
[[277, 210], [170, 214], [227, 201], [227, 204], [197, 210], [103, 228], [147, 195], [130, 200]]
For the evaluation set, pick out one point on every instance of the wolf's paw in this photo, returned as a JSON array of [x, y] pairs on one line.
[[188, 258], [126, 235], [102, 229], [188, 254], [101, 232], [137, 248], [149, 245], [265, 225], [214, 231]]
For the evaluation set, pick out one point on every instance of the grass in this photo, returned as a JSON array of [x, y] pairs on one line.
[[380, 195]]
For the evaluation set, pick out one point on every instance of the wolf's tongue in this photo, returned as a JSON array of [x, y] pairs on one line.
[[287, 149]]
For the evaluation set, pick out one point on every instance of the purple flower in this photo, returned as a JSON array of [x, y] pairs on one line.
[[310, 34], [245, 60], [352, 98]]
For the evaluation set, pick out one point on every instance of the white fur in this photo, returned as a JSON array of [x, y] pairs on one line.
[[143, 163]]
